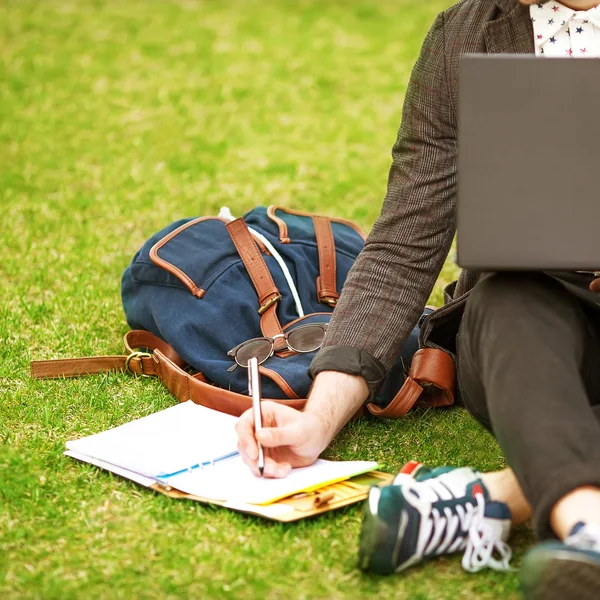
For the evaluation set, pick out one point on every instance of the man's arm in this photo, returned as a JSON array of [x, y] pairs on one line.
[[391, 279]]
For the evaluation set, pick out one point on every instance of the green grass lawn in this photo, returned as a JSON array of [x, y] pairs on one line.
[[116, 118]]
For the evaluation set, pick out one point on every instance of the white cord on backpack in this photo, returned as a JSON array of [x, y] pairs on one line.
[[225, 213]]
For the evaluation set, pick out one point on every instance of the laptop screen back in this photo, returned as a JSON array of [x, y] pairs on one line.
[[529, 163]]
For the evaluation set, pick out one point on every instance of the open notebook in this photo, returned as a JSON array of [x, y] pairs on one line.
[[192, 449]]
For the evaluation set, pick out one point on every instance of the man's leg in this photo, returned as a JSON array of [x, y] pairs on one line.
[[504, 487], [532, 360], [528, 370]]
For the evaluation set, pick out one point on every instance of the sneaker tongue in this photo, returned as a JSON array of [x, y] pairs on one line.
[[460, 481], [496, 517]]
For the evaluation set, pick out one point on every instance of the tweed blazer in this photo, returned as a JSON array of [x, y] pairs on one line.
[[394, 275]]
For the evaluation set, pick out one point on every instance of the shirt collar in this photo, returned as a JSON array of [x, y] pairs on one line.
[[552, 17]]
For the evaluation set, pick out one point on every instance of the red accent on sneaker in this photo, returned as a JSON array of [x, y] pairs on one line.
[[477, 489], [411, 467]]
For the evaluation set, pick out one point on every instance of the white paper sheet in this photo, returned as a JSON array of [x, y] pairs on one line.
[[163, 442], [232, 480], [136, 477], [187, 434]]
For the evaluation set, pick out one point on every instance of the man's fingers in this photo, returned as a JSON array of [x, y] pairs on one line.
[[273, 437], [275, 470], [246, 440], [252, 464]]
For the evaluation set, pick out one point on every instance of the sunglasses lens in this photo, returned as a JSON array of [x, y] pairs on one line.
[[307, 338], [259, 349]]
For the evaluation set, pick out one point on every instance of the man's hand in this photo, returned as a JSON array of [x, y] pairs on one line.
[[290, 438], [595, 285]]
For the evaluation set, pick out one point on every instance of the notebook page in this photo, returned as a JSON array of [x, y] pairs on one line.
[[233, 481], [163, 442], [139, 479]]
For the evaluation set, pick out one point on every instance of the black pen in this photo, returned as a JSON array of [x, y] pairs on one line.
[[254, 391]]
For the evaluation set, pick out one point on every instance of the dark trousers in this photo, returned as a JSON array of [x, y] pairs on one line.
[[529, 371]]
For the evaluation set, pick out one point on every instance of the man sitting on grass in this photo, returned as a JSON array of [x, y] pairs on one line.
[[541, 402]]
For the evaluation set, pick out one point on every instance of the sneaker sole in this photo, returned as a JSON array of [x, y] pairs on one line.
[[559, 575]]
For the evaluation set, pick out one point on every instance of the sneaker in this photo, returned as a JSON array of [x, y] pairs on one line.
[[428, 512], [565, 571]]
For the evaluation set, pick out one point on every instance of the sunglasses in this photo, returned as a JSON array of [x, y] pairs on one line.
[[302, 339]]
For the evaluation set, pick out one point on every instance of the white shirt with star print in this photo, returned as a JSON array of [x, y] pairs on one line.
[[560, 31]]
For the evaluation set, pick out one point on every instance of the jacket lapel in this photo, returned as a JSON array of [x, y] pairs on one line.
[[512, 33]]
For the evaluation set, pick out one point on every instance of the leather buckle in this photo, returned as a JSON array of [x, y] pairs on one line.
[[268, 303], [139, 355], [328, 300]]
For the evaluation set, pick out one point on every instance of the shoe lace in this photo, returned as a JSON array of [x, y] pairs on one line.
[[463, 527], [484, 548]]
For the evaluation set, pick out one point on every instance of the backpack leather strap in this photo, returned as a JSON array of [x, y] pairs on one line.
[[268, 293], [139, 345], [74, 367], [431, 370], [187, 387], [326, 281], [150, 356]]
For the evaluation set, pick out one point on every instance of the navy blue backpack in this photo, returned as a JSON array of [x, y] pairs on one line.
[[200, 288]]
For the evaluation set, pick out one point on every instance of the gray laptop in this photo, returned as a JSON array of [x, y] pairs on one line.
[[529, 163]]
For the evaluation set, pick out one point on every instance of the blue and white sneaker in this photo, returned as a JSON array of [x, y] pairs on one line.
[[429, 512], [564, 571]]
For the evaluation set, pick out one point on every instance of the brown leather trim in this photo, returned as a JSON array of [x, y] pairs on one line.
[[283, 230], [285, 353], [260, 276], [280, 381], [137, 339], [253, 261], [292, 323], [270, 326], [182, 385], [430, 368], [432, 371], [433, 367], [261, 245], [158, 261], [74, 367], [185, 387], [403, 401], [326, 283], [135, 362]]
